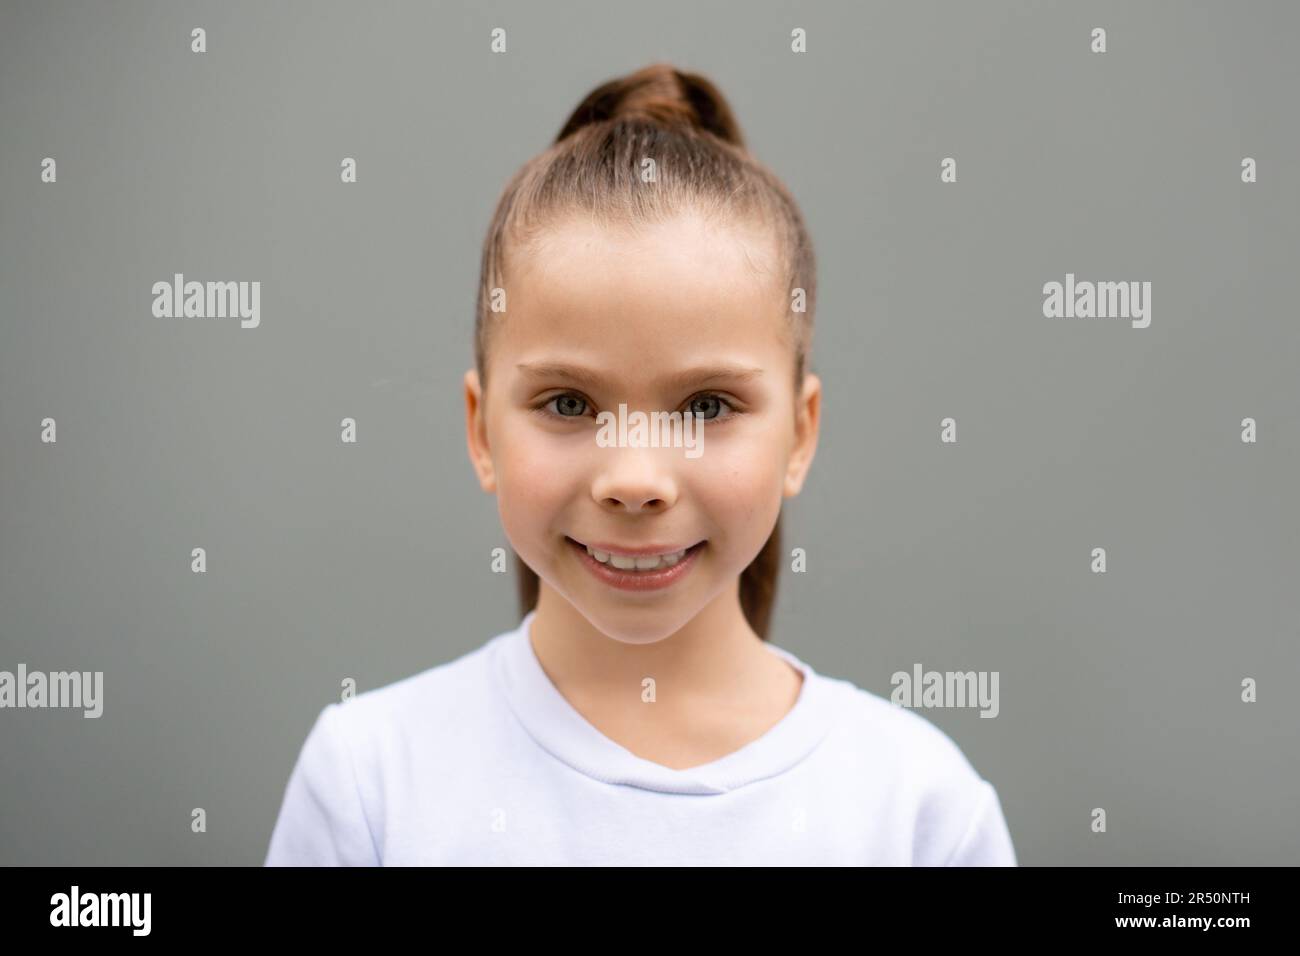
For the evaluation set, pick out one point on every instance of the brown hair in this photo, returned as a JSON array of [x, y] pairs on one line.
[[594, 167]]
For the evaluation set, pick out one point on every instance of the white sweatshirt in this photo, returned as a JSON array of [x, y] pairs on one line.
[[482, 762]]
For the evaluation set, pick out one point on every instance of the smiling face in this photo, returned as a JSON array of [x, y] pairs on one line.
[[674, 317]]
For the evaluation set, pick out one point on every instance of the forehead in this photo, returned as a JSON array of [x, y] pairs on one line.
[[646, 293]]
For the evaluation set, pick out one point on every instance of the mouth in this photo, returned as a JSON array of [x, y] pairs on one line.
[[637, 559], [648, 569]]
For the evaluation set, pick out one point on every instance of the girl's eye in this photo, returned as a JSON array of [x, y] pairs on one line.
[[569, 405], [707, 401]]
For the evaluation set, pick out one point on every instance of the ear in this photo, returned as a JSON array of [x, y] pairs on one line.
[[807, 423], [480, 455]]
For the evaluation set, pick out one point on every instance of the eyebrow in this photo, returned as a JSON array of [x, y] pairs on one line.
[[586, 377]]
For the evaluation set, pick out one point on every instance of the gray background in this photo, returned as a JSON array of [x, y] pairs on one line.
[[371, 561]]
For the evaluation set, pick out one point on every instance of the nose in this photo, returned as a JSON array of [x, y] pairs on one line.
[[635, 480]]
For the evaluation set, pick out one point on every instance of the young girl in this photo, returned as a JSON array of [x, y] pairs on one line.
[[644, 263]]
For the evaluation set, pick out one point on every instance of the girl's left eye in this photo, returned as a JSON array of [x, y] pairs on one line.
[[575, 406], [706, 399]]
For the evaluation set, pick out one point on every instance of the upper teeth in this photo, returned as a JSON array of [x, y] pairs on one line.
[[627, 562]]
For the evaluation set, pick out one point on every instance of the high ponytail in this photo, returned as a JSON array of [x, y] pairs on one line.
[[660, 95], [594, 165]]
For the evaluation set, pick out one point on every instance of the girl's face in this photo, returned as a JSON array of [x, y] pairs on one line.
[[676, 317]]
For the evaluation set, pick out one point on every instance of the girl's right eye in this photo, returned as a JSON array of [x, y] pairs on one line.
[[567, 405]]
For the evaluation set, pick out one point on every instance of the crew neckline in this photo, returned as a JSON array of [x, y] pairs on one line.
[[562, 731]]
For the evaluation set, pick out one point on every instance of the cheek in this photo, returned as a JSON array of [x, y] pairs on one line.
[[739, 485], [532, 483]]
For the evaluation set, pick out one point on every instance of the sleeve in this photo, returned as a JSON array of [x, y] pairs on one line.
[[986, 841], [322, 820]]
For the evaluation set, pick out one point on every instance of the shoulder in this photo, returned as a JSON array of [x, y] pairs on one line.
[[423, 704], [902, 736], [893, 737], [955, 815], [335, 807]]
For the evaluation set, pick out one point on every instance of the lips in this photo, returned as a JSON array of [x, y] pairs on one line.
[[637, 571], [636, 551]]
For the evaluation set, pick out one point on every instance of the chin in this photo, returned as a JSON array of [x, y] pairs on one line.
[[637, 625]]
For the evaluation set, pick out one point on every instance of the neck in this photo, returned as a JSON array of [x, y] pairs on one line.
[[714, 656]]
